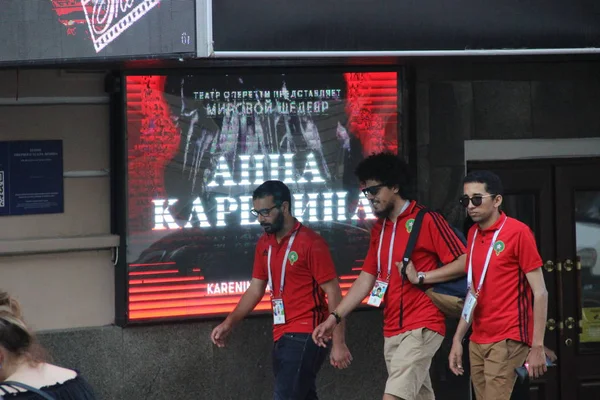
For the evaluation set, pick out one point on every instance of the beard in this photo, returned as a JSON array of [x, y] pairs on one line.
[[385, 212], [275, 226]]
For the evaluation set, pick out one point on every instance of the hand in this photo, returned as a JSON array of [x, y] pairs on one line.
[[323, 333], [411, 272], [536, 362], [340, 356], [550, 353], [220, 333], [455, 358]]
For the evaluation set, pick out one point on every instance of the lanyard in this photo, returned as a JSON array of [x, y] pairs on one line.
[[487, 260], [389, 271], [287, 253]]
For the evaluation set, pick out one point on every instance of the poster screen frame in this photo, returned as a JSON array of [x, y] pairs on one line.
[[406, 144]]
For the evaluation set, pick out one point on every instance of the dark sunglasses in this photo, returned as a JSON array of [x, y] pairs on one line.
[[476, 200], [264, 212], [373, 190]]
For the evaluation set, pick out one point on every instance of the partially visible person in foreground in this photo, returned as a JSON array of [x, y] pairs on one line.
[[22, 361]]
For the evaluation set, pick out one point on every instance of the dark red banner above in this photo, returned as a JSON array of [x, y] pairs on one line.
[[61, 30]]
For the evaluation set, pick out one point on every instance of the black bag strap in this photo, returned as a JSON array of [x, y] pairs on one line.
[[28, 388], [412, 239], [410, 246]]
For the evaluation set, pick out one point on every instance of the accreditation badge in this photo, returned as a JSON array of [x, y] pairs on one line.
[[278, 312], [377, 293], [469, 307]]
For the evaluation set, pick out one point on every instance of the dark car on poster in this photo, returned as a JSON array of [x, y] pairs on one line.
[[220, 255]]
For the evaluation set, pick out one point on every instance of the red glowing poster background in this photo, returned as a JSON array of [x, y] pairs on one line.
[[160, 289]]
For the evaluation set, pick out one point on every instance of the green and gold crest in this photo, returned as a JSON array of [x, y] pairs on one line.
[[293, 257], [499, 247], [409, 225]]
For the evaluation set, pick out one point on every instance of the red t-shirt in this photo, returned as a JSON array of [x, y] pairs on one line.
[[303, 299], [504, 307], [437, 242]]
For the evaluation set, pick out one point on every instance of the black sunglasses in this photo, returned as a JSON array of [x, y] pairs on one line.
[[373, 190], [477, 200], [264, 212]]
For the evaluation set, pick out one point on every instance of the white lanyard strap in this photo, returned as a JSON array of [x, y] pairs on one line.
[[392, 240], [487, 260], [389, 271], [287, 253]]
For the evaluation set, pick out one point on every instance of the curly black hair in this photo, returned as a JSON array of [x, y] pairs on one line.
[[386, 168]]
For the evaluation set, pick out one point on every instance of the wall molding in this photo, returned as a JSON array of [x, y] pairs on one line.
[[58, 245], [520, 149], [54, 101]]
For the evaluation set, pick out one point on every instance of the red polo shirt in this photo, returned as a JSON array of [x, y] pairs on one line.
[[303, 299], [437, 242], [505, 304]]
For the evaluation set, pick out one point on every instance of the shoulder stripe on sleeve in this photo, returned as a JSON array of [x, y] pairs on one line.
[[457, 243], [447, 234], [443, 223]]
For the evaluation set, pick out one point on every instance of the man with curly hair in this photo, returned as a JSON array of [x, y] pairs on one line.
[[413, 326]]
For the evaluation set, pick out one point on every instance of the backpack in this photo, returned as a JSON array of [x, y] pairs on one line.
[[448, 297], [31, 389]]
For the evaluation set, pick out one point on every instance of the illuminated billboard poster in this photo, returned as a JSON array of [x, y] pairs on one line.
[[198, 145]]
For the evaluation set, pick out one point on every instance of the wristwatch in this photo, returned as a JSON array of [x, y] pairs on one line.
[[421, 276], [337, 316]]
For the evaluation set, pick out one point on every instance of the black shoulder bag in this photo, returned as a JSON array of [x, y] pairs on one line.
[[449, 296]]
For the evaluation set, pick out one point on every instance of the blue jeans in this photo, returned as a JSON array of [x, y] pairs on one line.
[[296, 362]]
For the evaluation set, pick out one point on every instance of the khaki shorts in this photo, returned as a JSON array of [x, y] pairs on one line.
[[493, 368], [408, 358]]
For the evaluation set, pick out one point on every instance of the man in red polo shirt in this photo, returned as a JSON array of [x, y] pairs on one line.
[[505, 281], [413, 326], [295, 264]]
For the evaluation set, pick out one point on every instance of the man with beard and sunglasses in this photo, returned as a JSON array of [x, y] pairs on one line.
[[293, 257], [507, 299], [413, 326]]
